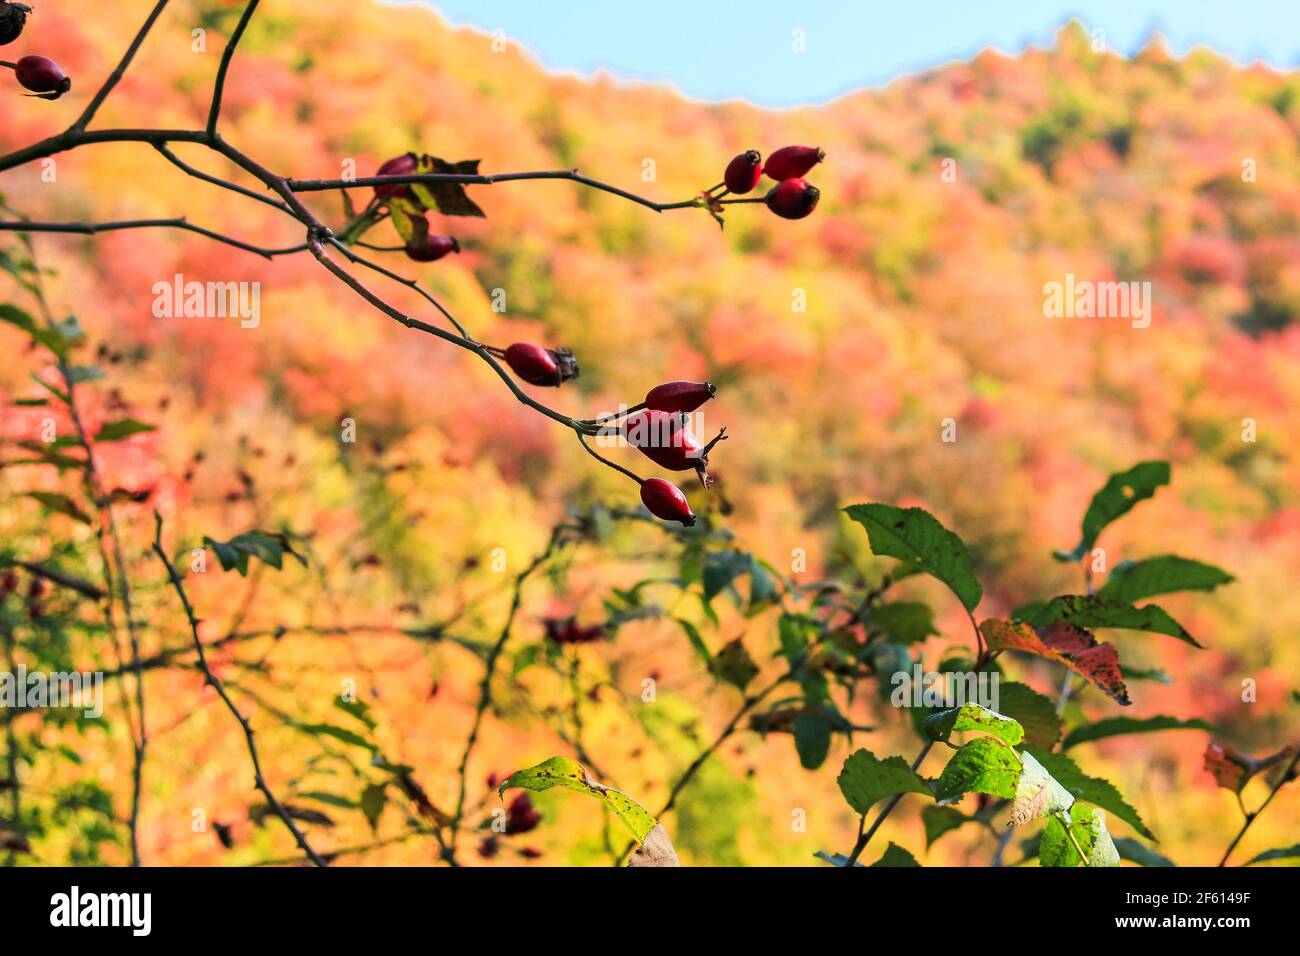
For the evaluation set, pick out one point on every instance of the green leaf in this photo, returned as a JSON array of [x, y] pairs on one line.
[[1038, 794], [697, 642], [914, 535], [1120, 726], [122, 428], [1282, 853], [356, 708], [1101, 793], [942, 725], [373, 800], [568, 774], [58, 339], [267, 547], [1089, 829], [1135, 851], [734, 666], [338, 733], [940, 820], [1134, 580], [904, 622], [812, 739], [865, 780], [1117, 497], [721, 568], [85, 373], [796, 633], [1035, 713], [895, 855], [329, 799], [984, 765], [60, 504], [1093, 611]]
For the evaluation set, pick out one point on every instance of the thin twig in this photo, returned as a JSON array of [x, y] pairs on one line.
[[115, 77], [216, 684], [219, 86]]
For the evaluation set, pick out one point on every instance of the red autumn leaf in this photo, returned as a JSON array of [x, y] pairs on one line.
[[1093, 660], [1232, 769]]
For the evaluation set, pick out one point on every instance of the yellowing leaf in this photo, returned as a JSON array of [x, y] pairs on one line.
[[569, 774]]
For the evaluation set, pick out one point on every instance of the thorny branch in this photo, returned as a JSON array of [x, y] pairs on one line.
[[285, 199]]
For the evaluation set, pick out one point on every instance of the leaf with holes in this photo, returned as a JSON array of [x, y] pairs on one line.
[[984, 765], [1093, 611], [569, 775], [1077, 649], [1117, 497], [945, 723]]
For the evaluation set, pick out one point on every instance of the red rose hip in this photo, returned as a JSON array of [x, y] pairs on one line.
[[397, 166], [539, 366], [42, 75], [743, 172], [679, 396], [13, 17], [427, 248], [665, 500], [792, 162], [793, 198]]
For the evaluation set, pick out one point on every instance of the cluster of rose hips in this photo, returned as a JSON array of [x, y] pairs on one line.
[[657, 427], [793, 197], [423, 246], [9, 584], [39, 74]]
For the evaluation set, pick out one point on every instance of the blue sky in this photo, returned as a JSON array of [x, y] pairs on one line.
[[723, 49]]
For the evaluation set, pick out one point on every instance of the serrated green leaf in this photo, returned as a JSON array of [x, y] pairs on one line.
[[1120, 726], [1116, 498], [984, 765], [864, 780], [569, 774], [1134, 580], [914, 535], [943, 724], [1035, 713]]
